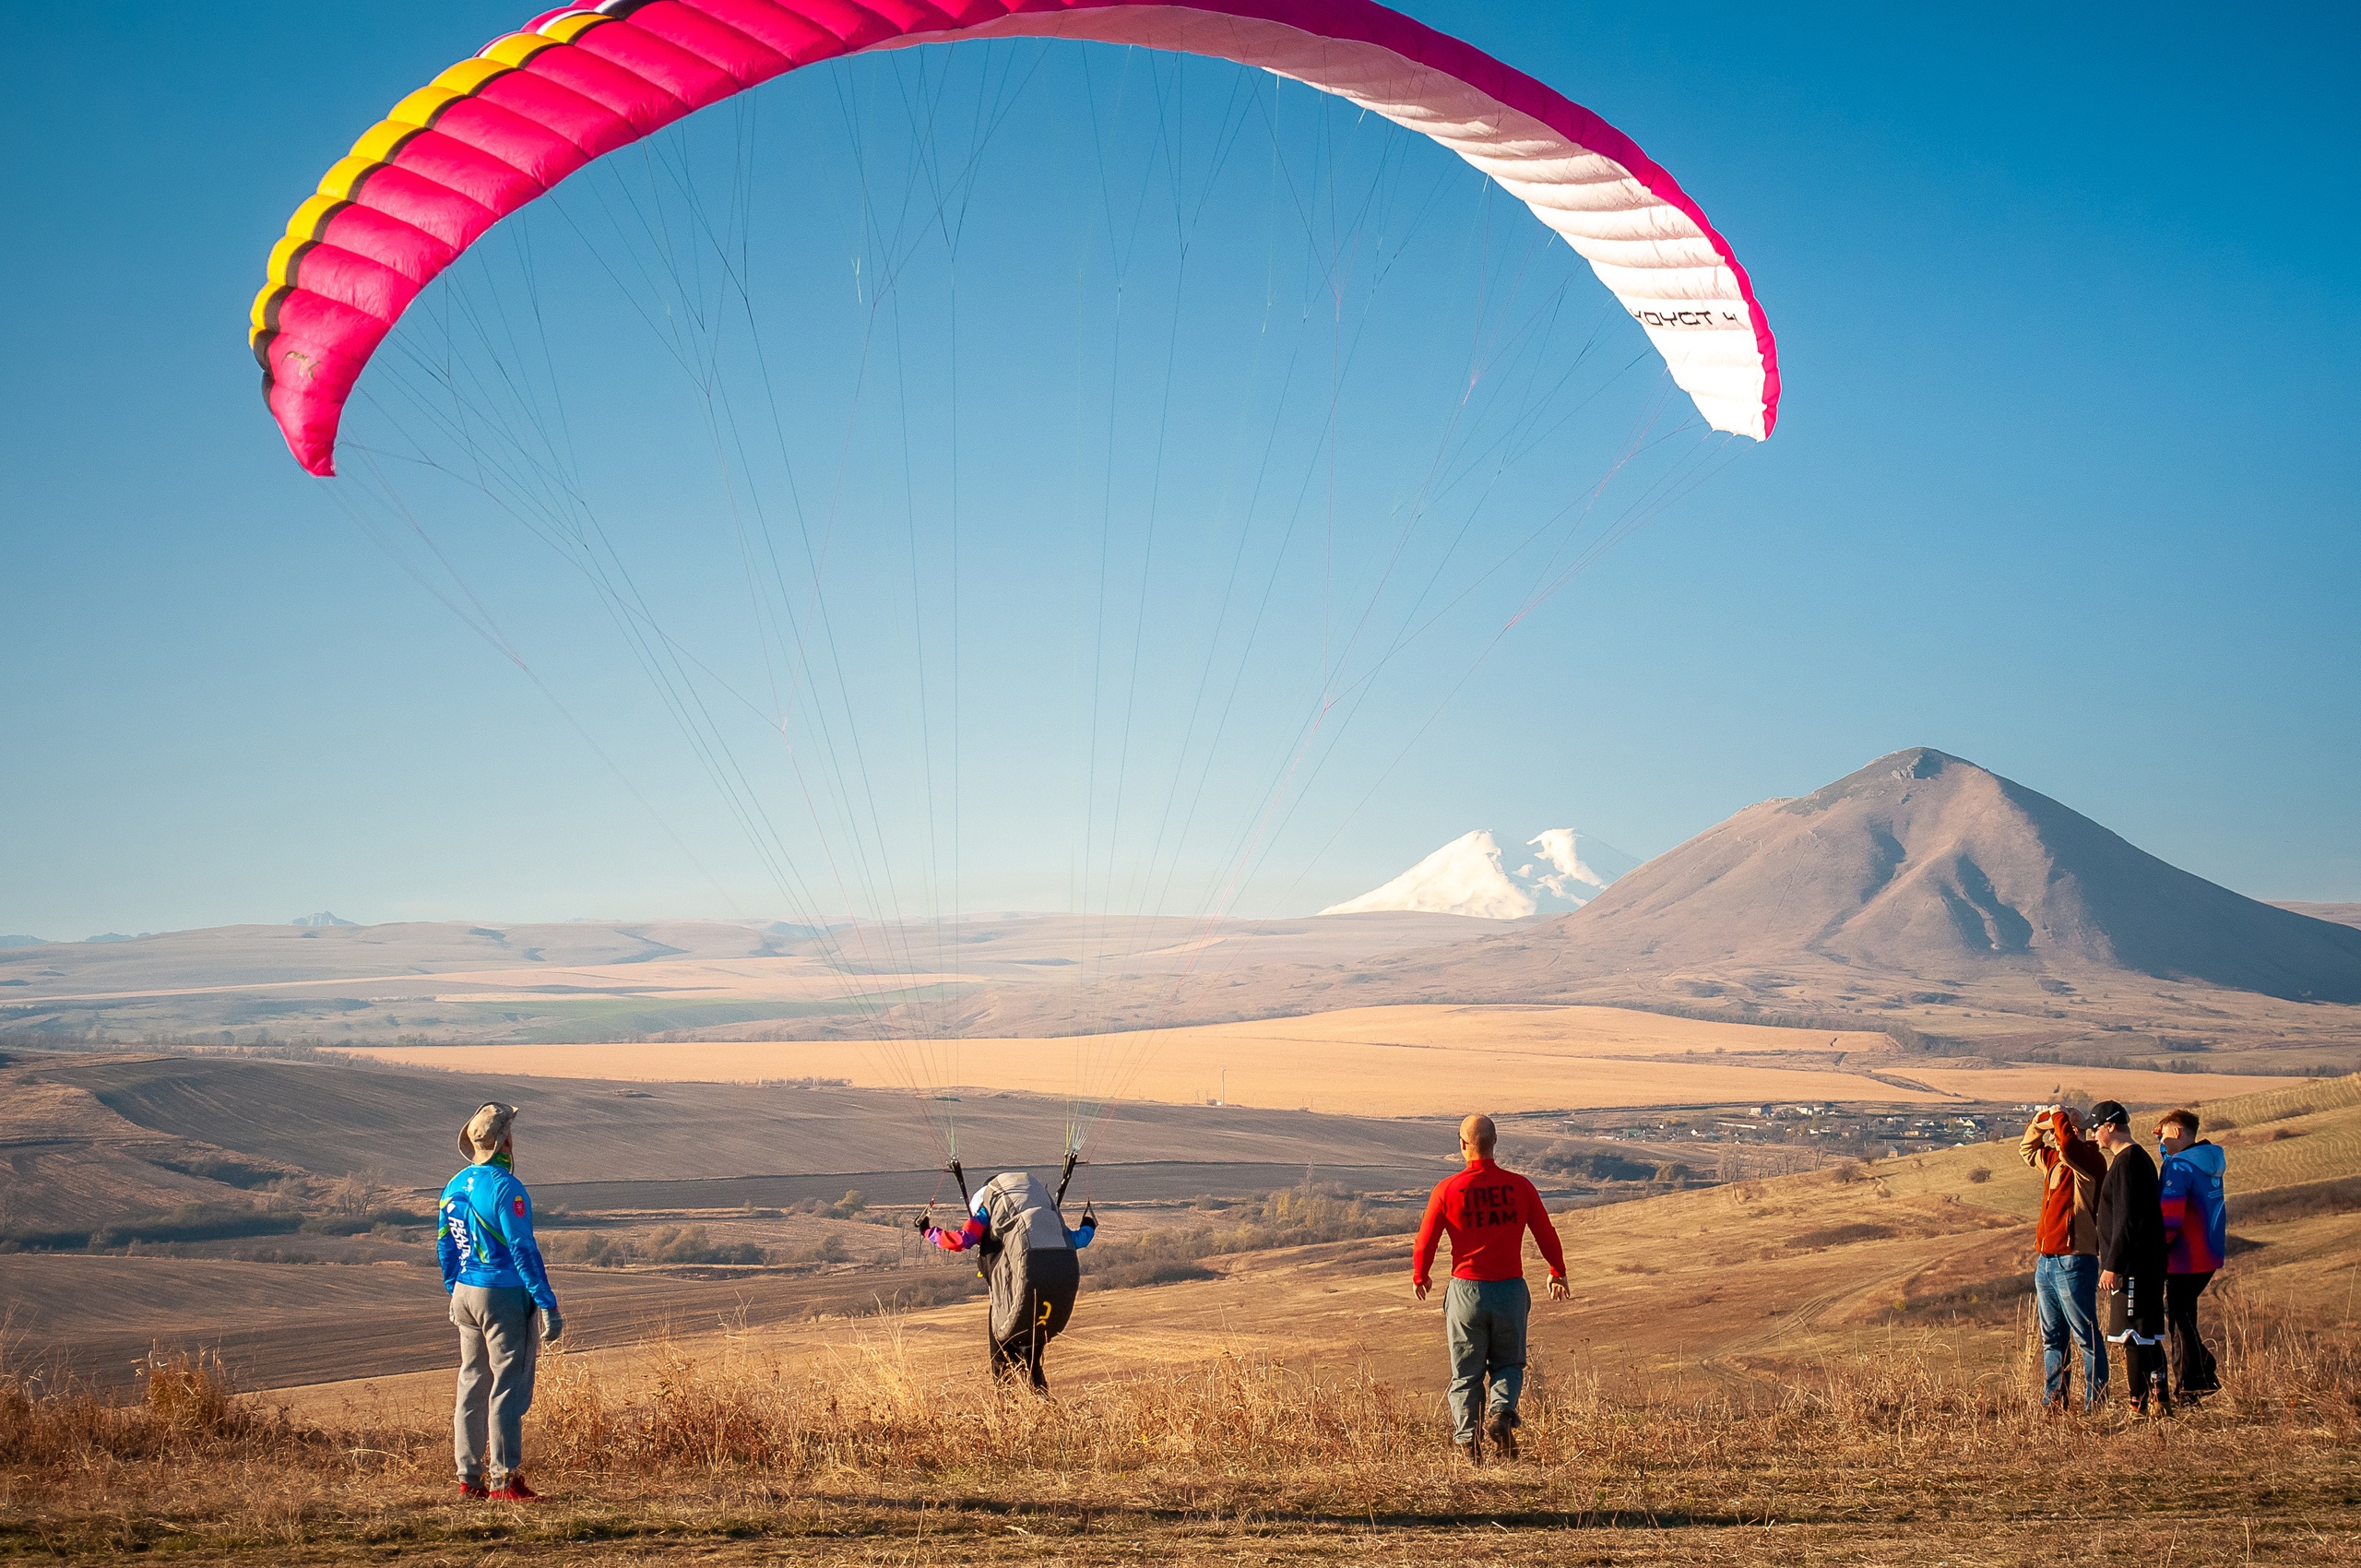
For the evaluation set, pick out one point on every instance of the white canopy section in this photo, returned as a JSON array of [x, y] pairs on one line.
[[1647, 240]]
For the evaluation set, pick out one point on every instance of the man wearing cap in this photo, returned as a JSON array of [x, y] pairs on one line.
[[492, 1270], [1487, 1210], [2065, 1241], [2133, 1253]]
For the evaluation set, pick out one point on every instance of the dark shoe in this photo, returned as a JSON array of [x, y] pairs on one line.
[[514, 1490], [472, 1491], [1502, 1429], [1469, 1450]]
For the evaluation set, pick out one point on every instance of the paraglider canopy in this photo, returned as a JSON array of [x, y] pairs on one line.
[[500, 129]]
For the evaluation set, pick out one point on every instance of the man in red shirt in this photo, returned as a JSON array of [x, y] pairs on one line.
[[1487, 1211]]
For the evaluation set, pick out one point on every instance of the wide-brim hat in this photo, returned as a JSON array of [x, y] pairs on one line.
[[486, 1131]]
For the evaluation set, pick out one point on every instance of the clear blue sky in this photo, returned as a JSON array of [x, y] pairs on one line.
[[2065, 482]]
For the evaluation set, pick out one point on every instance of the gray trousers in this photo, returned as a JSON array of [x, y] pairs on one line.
[[1485, 1321], [498, 1343]]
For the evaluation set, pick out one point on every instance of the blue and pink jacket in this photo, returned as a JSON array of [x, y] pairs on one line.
[[979, 1225], [2196, 1219]]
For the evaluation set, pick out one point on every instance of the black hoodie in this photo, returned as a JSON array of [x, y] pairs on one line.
[[2132, 1216]]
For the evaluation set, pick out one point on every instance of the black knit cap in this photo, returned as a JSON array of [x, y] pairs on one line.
[[2108, 1111]]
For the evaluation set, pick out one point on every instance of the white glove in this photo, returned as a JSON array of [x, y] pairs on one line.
[[553, 1325]]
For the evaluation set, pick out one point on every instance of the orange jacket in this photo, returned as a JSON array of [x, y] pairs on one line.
[[2070, 1170]]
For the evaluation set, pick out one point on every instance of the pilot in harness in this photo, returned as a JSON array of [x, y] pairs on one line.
[[1016, 1229]]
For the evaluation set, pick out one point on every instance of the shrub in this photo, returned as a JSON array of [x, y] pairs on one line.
[[598, 1250], [196, 1222], [691, 1243], [1842, 1235], [188, 1410], [228, 1170], [935, 1288], [671, 1244], [1294, 1216], [1128, 1272], [852, 1205], [829, 1249], [363, 1222], [1592, 1164]]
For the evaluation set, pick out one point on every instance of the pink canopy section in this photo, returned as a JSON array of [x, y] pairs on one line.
[[499, 129]]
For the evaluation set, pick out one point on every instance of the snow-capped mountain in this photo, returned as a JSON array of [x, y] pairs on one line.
[[1466, 876]]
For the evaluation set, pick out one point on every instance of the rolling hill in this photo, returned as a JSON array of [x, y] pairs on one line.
[[1749, 1283], [1922, 890], [1993, 922], [1921, 862], [621, 979], [2339, 914]]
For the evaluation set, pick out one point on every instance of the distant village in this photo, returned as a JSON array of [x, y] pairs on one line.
[[1825, 1126]]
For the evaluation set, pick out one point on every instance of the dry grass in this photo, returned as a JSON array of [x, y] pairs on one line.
[[857, 1453], [1737, 1396]]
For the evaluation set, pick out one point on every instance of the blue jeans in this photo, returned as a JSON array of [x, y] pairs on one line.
[[2066, 1293], [1484, 1321]]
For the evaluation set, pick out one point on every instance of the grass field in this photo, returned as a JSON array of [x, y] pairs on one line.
[[1870, 1460], [1830, 1368], [1721, 1286], [1369, 1060]]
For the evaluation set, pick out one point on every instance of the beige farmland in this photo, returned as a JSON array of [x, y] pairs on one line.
[[1369, 1060]]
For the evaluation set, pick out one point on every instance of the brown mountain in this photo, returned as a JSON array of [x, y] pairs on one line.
[[1923, 888], [2338, 914], [1923, 863]]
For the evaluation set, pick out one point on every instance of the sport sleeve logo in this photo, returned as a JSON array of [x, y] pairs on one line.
[[462, 1235], [518, 1204]]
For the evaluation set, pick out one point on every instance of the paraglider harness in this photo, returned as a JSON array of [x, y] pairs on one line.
[[992, 1243]]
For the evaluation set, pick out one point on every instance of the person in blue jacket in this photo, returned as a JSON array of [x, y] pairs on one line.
[[492, 1270], [2196, 1234]]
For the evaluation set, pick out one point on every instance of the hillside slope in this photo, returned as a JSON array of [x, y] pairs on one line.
[[1922, 862], [2338, 914], [1750, 1282]]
